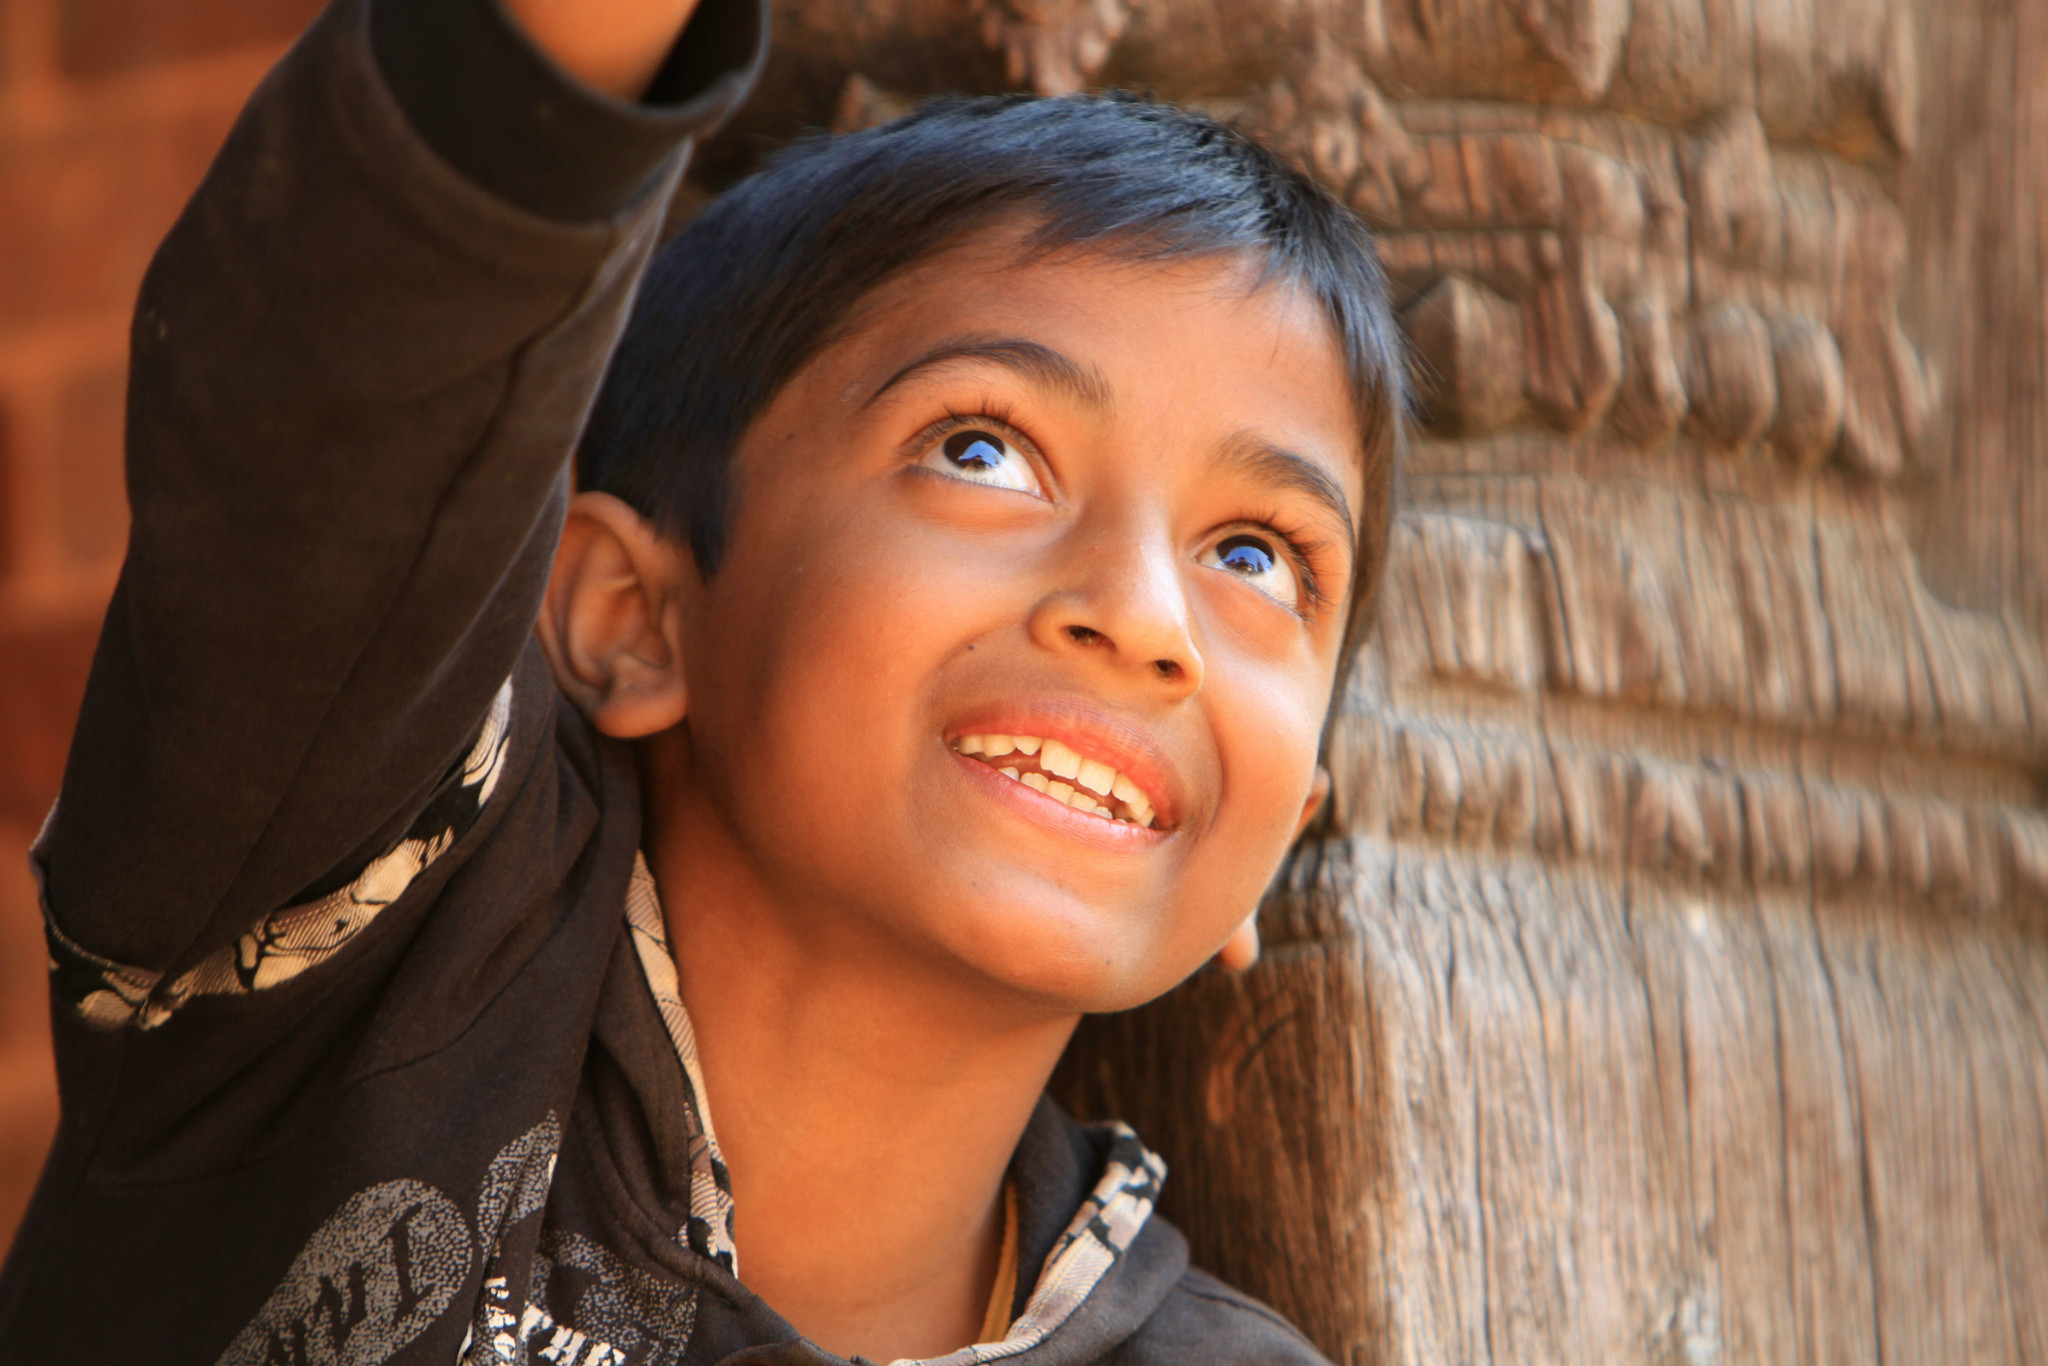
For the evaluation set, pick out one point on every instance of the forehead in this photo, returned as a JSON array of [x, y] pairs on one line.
[[1200, 348]]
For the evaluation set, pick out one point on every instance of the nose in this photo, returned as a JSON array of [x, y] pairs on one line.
[[1122, 603]]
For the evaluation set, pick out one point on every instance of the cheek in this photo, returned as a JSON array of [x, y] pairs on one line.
[[1268, 728], [825, 660], [871, 613], [1269, 693]]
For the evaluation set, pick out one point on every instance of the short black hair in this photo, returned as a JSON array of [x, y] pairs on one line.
[[768, 273]]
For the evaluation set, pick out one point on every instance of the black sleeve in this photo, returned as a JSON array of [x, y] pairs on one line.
[[359, 362]]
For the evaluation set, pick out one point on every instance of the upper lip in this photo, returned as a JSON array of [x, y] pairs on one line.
[[1093, 734]]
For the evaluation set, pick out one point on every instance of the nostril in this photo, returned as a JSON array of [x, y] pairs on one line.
[[1167, 668], [1084, 635]]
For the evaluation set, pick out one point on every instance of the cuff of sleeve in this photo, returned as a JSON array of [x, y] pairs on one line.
[[478, 91]]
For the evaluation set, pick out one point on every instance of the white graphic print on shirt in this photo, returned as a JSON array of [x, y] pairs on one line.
[[387, 1264]]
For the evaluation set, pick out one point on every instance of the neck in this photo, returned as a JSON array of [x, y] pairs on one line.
[[867, 1105]]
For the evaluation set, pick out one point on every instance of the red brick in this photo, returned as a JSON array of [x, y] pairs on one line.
[[22, 955], [28, 40], [28, 1083], [42, 680], [92, 503], [10, 480], [82, 209], [100, 37], [28, 1121]]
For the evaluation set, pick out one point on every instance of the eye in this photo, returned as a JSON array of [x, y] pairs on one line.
[[981, 455], [1260, 562]]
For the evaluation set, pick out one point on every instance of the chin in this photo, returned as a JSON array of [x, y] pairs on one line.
[[1077, 958]]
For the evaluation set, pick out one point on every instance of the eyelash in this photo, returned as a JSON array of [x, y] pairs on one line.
[[993, 413], [1301, 547]]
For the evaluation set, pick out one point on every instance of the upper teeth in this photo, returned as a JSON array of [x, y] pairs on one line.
[[1085, 779]]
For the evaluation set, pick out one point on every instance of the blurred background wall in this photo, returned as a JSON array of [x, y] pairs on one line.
[[109, 113]]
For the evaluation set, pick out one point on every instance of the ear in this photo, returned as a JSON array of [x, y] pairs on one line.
[[611, 622], [1241, 950]]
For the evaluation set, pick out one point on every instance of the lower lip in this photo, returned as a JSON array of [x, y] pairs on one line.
[[1100, 831]]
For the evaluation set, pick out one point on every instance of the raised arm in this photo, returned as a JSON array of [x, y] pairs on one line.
[[359, 363]]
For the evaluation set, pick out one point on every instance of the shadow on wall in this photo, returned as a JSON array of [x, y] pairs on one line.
[[110, 111]]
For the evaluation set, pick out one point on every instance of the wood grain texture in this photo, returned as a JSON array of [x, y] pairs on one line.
[[1668, 981]]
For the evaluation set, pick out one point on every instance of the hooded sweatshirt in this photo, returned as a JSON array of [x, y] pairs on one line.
[[367, 1028]]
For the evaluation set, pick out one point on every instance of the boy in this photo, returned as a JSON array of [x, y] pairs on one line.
[[973, 520]]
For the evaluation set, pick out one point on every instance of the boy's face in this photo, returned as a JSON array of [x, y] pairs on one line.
[[1086, 503]]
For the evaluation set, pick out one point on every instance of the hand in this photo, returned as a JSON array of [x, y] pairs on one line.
[[613, 45]]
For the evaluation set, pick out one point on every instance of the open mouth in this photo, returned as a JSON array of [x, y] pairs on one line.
[[1088, 785]]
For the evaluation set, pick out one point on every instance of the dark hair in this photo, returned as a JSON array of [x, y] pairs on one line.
[[764, 277]]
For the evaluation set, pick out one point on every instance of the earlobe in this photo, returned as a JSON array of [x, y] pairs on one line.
[[1318, 793], [611, 622], [1241, 950]]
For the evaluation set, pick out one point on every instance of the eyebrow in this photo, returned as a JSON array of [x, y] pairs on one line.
[[1034, 361], [1279, 467]]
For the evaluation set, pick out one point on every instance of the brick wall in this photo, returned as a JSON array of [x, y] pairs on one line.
[[109, 112]]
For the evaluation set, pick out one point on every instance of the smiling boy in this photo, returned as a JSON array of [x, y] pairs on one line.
[[973, 520]]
